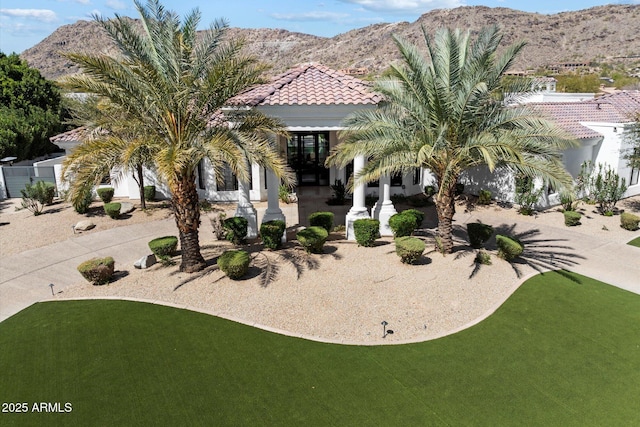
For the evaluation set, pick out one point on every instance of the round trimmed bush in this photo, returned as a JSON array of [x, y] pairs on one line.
[[409, 249], [367, 230], [478, 234], [322, 219], [105, 194], [149, 193], [312, 239], [97, 270], [629, 221], [164, 247], [234, 263], [236, 229], [403, 224], [508, 247], [81, 205], [271, 233], [572, 218], [419, 215], [112, 209]]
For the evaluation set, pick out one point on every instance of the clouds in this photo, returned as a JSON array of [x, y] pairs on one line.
[[42, 15], [115, 4], [310, 16], [404, 6]]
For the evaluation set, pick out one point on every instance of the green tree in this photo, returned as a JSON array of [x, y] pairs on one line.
[[30, 110], [448, 113], [172, 82], [632, 138], [578, 83]]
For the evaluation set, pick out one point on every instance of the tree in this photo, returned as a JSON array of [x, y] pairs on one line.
[[30, 110], [172, 82], [632, 138], [447, 113], [578, 83]]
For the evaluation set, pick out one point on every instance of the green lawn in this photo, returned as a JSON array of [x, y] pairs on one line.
[[635, 242], [558, 353]]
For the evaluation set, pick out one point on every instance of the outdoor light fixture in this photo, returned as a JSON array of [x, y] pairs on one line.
[[385, 331], [51, 286]]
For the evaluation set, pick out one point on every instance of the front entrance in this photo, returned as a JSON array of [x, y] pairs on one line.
[[306, 154]]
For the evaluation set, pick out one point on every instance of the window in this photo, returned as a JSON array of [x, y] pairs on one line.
[[228, 181], [635, 172], [416, 176], [201, 185]]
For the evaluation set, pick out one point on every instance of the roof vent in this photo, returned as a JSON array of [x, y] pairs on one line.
[[597, 105]]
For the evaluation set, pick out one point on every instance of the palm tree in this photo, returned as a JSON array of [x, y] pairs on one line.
[[448, 113], [172, 84]]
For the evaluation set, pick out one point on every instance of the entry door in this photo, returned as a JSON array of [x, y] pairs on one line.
[[307, 153]]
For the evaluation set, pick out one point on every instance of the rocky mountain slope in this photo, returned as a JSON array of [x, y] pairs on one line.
[[597, 34]]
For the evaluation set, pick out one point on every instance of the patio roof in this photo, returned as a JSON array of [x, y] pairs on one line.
[[309, 84]]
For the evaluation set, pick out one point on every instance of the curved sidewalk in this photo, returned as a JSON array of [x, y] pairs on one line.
[[25, 277]]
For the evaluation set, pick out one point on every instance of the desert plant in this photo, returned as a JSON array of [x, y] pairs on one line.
[[572, 218], [81, 204], [607, 187], [112, 209], [234, 263], [526, 195], [568, 200], [98, 271], [164, 247], [409, 249], [105, 194], [483, 258], [430, 190], [271, 233], [419, 215], [236, 229], [35, 196], [322, 219], [478, 234], [484, 197], [339, 193], [149, 193], [509, 247], [367, 230], [629, 221], [216, 224], [402, 224], [312, 239]]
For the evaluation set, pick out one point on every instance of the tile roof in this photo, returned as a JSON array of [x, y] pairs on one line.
[[309, 84], [615, 108], [74, 135]]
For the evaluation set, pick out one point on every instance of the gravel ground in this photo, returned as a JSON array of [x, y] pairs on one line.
[[342, 295]]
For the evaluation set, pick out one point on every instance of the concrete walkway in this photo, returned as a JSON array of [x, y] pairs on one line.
[[25, 277]]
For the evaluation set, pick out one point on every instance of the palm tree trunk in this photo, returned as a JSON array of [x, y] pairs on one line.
[[143, 203], [187, 214], [445, 208]]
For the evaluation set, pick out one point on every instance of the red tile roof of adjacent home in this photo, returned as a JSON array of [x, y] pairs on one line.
[[615, 108], [78, 134], [309, 84]]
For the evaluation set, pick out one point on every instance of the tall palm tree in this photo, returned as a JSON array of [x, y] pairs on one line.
[[448, 112], [173, 84]]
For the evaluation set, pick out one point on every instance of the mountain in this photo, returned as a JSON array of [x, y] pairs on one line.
[[604, 33]]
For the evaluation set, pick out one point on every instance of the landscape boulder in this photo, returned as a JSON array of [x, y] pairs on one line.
[[145, 262], [84, 225], [126, 207]]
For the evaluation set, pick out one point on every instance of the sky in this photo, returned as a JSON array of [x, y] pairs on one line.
[[24, 23]]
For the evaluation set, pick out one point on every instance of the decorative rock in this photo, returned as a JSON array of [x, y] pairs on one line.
[[126, 207], [145, 262], [84, 225]]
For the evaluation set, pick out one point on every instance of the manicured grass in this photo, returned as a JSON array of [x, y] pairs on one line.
[[635, 242], [558, 353]]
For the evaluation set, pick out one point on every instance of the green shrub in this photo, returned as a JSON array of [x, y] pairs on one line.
[[367, 230], [409, 249], [483, 258], [526, 195], [403, 224], [572, 218], [568, 200], [164, 247], [149, 193], [339, 193], [484, 197], [271, 233], [112, 209], [236, 229], [322, 219], [508, 247], [35, 196], [419, 215], [478, 233], [284, 193], [234, 263], [312, 239], [81, 205], [97, 270], [629, 221], [105, 194], [429, 190]]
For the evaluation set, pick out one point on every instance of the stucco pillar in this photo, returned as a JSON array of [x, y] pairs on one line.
[[386, 209], [246, 209], [359, 209], [273, 211]]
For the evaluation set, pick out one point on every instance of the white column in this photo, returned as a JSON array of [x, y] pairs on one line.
[[359, 209], [246, 209], [273, 211], [387, 210]]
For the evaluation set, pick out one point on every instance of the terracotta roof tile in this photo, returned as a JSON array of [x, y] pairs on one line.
[[78, 134], [309, 84]]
